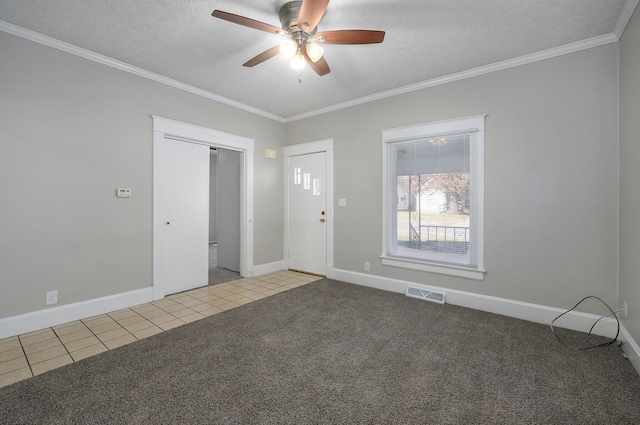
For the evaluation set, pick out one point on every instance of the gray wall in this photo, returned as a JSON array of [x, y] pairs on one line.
[[72, 132], [551, 185], [630, 173], [229, 206]]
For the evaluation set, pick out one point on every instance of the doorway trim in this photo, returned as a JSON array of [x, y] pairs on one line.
[[189, 133], [325, 145]]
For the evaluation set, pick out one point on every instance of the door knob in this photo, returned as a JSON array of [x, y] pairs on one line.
[[322, 220]]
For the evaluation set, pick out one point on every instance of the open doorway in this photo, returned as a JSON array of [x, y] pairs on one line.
[[224, 215]]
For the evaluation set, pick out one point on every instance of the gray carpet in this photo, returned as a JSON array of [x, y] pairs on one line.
[[336, 353]]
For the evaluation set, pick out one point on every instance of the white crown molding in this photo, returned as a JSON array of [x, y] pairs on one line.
[[475, 72], [612, 37], [624, 18], [105, 60]]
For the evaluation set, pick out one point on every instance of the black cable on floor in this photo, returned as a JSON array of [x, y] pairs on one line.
[[588, 338]]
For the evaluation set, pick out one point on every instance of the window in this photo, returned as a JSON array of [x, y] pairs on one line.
[[433, 200]]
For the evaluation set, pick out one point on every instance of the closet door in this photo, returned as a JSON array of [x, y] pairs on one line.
[[182, 215]]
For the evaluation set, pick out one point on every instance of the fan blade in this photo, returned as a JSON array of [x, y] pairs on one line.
[[267, 54], [321, 67], [350, 37], [247, 22], [311, 12]]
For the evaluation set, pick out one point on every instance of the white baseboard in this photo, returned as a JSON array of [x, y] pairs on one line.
[[520, 310], [266, 268], [41, 319], [54, 316], [329, 272], [630, 347]]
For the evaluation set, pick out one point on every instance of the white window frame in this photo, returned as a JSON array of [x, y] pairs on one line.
[[475, 123]]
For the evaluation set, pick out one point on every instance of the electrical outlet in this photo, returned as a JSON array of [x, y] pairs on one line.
[[367, 266], [52, 297], [123, 193], [624, 309]]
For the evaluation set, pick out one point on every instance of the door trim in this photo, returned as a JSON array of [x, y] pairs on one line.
[[167, 128], [325, 145]]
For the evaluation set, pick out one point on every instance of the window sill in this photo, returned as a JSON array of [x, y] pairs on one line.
[[405, 263]]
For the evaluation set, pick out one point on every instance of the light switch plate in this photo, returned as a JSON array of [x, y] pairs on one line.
[[342, 202]]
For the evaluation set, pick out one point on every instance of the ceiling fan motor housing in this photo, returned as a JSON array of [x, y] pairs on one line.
[[289, 13]]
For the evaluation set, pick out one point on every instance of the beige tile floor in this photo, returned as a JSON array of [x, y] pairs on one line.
[[31, 354]]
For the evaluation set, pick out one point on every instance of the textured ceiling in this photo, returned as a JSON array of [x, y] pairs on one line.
[[425, 39]]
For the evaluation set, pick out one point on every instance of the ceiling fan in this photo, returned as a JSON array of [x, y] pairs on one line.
[[299, 20]]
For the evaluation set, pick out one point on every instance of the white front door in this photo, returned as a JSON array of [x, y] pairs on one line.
[[182, 216], [307, 212]]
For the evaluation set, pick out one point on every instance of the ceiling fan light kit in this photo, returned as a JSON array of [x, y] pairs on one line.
[[299, 20], [314, 51], [288, 48], [297, 62]]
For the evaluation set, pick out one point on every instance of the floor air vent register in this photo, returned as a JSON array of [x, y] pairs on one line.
[[424, 294]]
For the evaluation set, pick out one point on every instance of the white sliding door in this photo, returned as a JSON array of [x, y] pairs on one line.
[[182, 179]]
